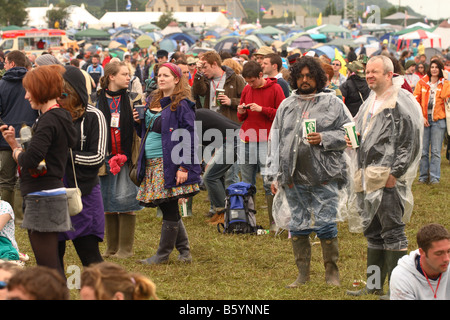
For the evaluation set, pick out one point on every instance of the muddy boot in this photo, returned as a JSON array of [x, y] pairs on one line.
[[169, 234], [111, 234], [375, 258], [330, 253], [302, 254], [390, 262], [127, 224], [182, 244]]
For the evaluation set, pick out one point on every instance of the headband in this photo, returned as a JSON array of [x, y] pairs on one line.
[[174, 68]]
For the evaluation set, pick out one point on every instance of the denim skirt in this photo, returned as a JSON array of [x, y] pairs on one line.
[[46, 213]]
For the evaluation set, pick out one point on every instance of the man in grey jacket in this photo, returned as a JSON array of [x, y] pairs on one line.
[[423, 274], [307, 169]]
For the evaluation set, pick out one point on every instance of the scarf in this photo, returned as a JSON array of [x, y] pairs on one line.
[[126, 118]]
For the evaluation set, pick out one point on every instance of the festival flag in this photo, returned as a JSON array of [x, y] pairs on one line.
[[263, 10], [128, 5], [338, 56], [319, 20]]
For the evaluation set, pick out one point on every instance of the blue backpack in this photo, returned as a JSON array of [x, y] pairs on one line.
[[239, 216]]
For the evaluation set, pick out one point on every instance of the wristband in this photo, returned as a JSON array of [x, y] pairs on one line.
[[182, 169]]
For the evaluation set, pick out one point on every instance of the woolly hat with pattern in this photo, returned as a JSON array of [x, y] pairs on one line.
[[46, 60]]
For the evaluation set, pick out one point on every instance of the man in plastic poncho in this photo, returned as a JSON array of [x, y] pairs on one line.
[[390, 127], [307, 169]]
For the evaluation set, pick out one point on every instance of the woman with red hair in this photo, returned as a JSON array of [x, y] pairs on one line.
[[42, 162]]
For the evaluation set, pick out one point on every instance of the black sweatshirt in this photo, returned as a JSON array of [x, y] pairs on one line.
[[53, 135]]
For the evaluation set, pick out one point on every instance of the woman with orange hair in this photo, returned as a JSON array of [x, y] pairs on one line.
[[42, 162]]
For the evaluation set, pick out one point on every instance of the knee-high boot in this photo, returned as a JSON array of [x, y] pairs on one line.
[[111, 234], [375, 263], [169, 234], [302, 254], [330, 253], [127, 225], [390, 262], [182, 244]]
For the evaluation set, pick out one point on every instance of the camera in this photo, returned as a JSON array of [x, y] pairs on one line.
[[246, 107]]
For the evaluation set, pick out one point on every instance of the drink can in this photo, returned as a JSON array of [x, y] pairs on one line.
[[350, 131], [218, 93]]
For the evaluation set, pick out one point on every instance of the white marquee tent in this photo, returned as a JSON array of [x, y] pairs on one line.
[[137, 19], [37, 16]]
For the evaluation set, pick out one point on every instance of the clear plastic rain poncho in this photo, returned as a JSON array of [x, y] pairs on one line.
[[391, 143], [312, 180]]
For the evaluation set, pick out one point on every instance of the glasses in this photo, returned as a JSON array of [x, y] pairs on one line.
[[336, 64], [191, 64], [308, 76]]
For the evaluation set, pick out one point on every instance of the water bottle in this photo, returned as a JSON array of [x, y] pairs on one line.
[[25, 136]]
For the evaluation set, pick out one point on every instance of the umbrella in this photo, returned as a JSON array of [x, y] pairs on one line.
[[144, 41], [325, 50]]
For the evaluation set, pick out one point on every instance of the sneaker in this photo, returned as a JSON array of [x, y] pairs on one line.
[[434, 182]]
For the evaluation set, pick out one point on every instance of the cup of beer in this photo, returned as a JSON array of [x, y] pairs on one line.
[[310, 126], [141, 110], [350, 131]]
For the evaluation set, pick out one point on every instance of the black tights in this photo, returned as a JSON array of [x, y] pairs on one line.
[[86, 247], [45, 249], [170, 210]]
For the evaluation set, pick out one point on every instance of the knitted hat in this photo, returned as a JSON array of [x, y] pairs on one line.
[[409, 63], [76, 79], [47, 59]]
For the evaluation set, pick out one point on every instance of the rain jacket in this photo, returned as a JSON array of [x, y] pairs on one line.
[[408, 283], [292, 160], [391, 143], [422, 95]]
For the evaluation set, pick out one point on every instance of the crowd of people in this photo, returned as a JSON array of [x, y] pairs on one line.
[[96, 120]]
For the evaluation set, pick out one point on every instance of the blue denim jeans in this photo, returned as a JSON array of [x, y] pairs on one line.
[[222, 170], [433, 138], [313, 209], [252, 159]]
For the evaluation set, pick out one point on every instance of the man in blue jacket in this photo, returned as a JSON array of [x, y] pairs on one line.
[[15, 110]]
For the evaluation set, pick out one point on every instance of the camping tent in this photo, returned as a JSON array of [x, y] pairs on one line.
[[302, 42], [171, 28], [271, 31]]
